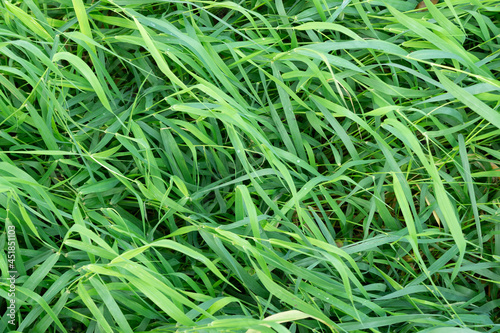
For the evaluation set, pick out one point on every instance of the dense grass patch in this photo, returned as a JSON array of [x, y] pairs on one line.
[[269, 166]]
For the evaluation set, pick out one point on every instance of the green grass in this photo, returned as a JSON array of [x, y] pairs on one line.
[[251, 166]]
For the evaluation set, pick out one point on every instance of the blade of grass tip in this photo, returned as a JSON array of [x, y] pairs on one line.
[[78, 218], [279, 124], [111, 304], [116, 21], [284, 295], [283, 317], [343, 270], [443, 43], [485, 34], [38, 121], [163, 302], [449, 3], [234, 266], [97, 315], [58, 288], [240, 149], [470, 100], [247, 247], [42, 57], [25, 217], [338, 130], [320, 10], [37, 13], [29, 21], [91, 249], [383, 321], [44, 323], [83, 20], [470, 188], [444, 22], [409, 221], [448, 211], [39, 274], [83, 68], [160, 61], [20, 174], [284, 20], [104, 76], [37, 298], [449, 330], [364, 17], [83, 231], [165, 243], [175, 156], [99, 187], [328, 26], [252, 214], [154, 171]]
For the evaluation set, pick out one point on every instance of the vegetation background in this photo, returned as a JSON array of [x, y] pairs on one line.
[[253, 165]]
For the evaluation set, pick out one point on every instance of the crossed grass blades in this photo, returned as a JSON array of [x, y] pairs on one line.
[[253, 166]]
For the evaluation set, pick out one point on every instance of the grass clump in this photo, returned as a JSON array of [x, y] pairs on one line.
[[253, 166]]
